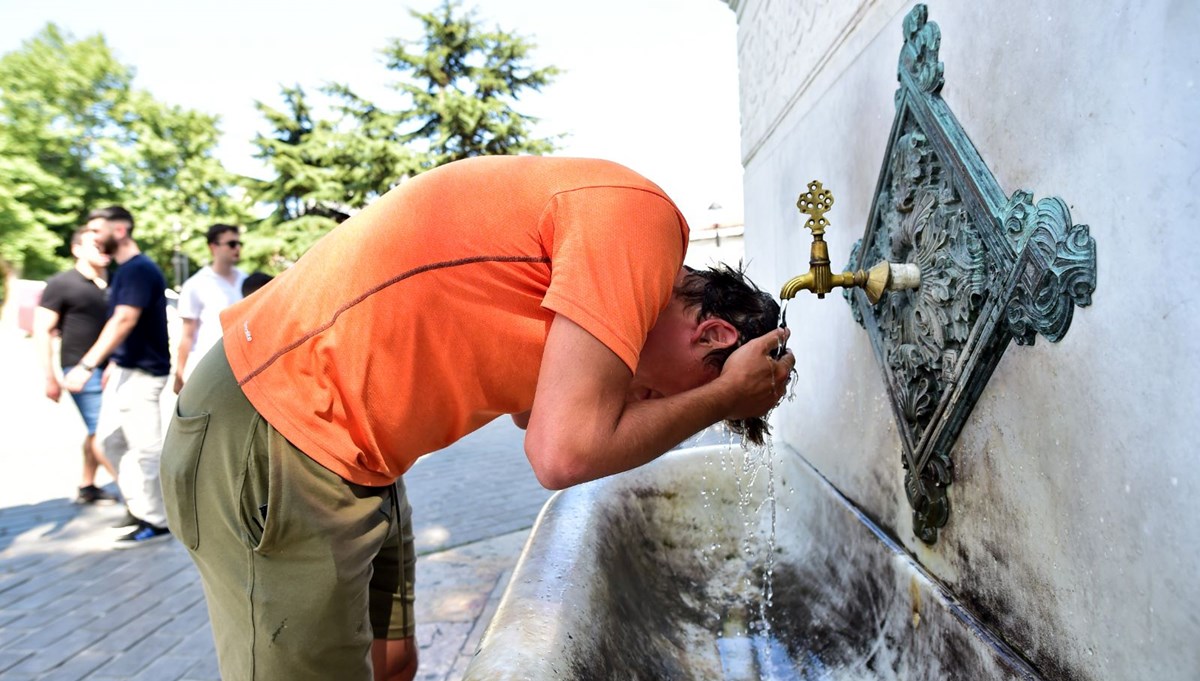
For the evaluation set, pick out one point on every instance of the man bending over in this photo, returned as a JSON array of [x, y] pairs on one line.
[[548, 289]]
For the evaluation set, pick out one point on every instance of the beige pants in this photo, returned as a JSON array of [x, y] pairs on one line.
[[301, 569], [130, 432]]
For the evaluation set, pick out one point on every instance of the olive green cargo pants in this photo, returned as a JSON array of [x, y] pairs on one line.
[[301, 569]]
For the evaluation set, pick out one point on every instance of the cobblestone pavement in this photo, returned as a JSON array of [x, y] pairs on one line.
[[72, 608]]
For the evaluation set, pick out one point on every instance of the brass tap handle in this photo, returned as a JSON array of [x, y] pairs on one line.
[[820, 279], [815, 203]]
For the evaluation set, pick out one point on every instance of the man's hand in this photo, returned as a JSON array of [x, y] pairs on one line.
[[178, 382], [53, 389], [756, 379], [76, 378]]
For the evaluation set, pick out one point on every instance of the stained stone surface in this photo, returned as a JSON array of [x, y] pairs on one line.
[[1074, 476], [663, 572]]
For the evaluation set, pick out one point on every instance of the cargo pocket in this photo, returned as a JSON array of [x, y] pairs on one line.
[[180, 462]]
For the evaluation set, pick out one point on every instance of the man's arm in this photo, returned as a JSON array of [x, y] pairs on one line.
[[186, 337], [582, 427], [45, 321], [115, 331]]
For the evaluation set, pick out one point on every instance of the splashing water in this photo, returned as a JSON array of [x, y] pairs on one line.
[[746, 471]]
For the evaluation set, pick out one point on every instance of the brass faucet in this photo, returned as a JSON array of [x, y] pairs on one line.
[[820, 279]]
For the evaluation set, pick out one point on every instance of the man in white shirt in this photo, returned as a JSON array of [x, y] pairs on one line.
[[204, 295]]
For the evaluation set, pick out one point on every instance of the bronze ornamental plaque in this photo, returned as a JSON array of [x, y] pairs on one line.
[[994, 269]]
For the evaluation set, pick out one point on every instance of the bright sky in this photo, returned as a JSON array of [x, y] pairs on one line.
[[651, 84]]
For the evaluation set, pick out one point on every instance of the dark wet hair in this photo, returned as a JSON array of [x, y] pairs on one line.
[[727, 293]]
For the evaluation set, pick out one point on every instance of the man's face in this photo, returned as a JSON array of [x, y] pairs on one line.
[[672, 360], [88, 249], [109, 233], [227, 250]]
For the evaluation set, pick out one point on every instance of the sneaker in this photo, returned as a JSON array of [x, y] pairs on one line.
[[144, 534], [92, 494], [127, 520]]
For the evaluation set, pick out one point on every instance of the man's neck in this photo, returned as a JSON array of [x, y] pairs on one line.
[[87, 269], [223, 269], [126, 250]]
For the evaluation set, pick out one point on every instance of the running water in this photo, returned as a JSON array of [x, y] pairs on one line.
[[751, 644]]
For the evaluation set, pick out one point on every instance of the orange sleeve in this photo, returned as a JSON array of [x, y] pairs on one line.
[[615, 255]]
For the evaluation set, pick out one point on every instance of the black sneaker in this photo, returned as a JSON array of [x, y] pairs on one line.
[[92, 494], [127, 520], [143, 535]]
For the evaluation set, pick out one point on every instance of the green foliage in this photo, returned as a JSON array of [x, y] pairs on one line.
[[463, 81], [460, 82], [77, 136], [56, 99]]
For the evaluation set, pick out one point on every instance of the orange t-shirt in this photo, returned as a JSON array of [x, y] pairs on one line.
[[424, 317]]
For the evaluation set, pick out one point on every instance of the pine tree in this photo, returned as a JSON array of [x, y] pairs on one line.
[[463, 81]]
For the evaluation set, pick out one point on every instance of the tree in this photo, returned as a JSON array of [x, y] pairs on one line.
[[463, 81], [323, 172], [162, 158], [461, 84], [56, 98], [75, 135]]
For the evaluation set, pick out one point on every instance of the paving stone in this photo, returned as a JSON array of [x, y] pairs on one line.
[[10, 579], [189, 620], [77, 667], [204, 670], [138, 657], [123, 612], [142, 611], [166, 668], [49, 636], [471, 645], [438, 646], [61, 650], [199, 643], [9, 658], [125, 637]]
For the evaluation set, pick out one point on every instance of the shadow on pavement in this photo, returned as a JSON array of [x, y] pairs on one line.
[[17, 520]]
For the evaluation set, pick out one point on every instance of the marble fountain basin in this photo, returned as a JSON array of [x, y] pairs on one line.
[[660, 573]]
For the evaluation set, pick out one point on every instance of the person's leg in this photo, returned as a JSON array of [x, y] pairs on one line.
[[109, 432], [394, 659], [284, 547], [394, 651], [141, 423], [94, 460], [88, 402]]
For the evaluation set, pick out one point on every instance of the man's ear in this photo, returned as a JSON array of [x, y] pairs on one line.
[[715, 333]]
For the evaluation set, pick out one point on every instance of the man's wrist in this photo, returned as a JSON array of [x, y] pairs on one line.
[[89, 367]]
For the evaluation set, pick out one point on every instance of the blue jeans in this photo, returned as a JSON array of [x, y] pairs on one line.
[[88, 399]]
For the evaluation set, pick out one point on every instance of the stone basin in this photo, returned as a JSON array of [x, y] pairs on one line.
[[659, 573]]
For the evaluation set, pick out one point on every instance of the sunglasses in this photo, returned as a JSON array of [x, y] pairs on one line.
[[234, 243]]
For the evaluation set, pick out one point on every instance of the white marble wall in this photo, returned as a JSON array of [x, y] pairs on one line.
[[1077, 492]]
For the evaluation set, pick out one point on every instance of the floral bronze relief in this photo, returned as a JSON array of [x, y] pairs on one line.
[[993, 269]]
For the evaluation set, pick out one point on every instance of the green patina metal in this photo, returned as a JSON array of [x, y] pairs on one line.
[[994, 269]]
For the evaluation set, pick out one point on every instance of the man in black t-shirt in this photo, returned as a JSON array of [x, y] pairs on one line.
[[135, 337], [74, 306]]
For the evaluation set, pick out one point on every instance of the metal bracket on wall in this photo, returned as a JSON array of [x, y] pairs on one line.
[[993, 269]]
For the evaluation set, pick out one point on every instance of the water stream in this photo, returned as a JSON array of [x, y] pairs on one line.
[[748, 650]]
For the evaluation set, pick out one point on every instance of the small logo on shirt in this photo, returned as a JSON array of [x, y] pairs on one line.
[[246, 328]]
